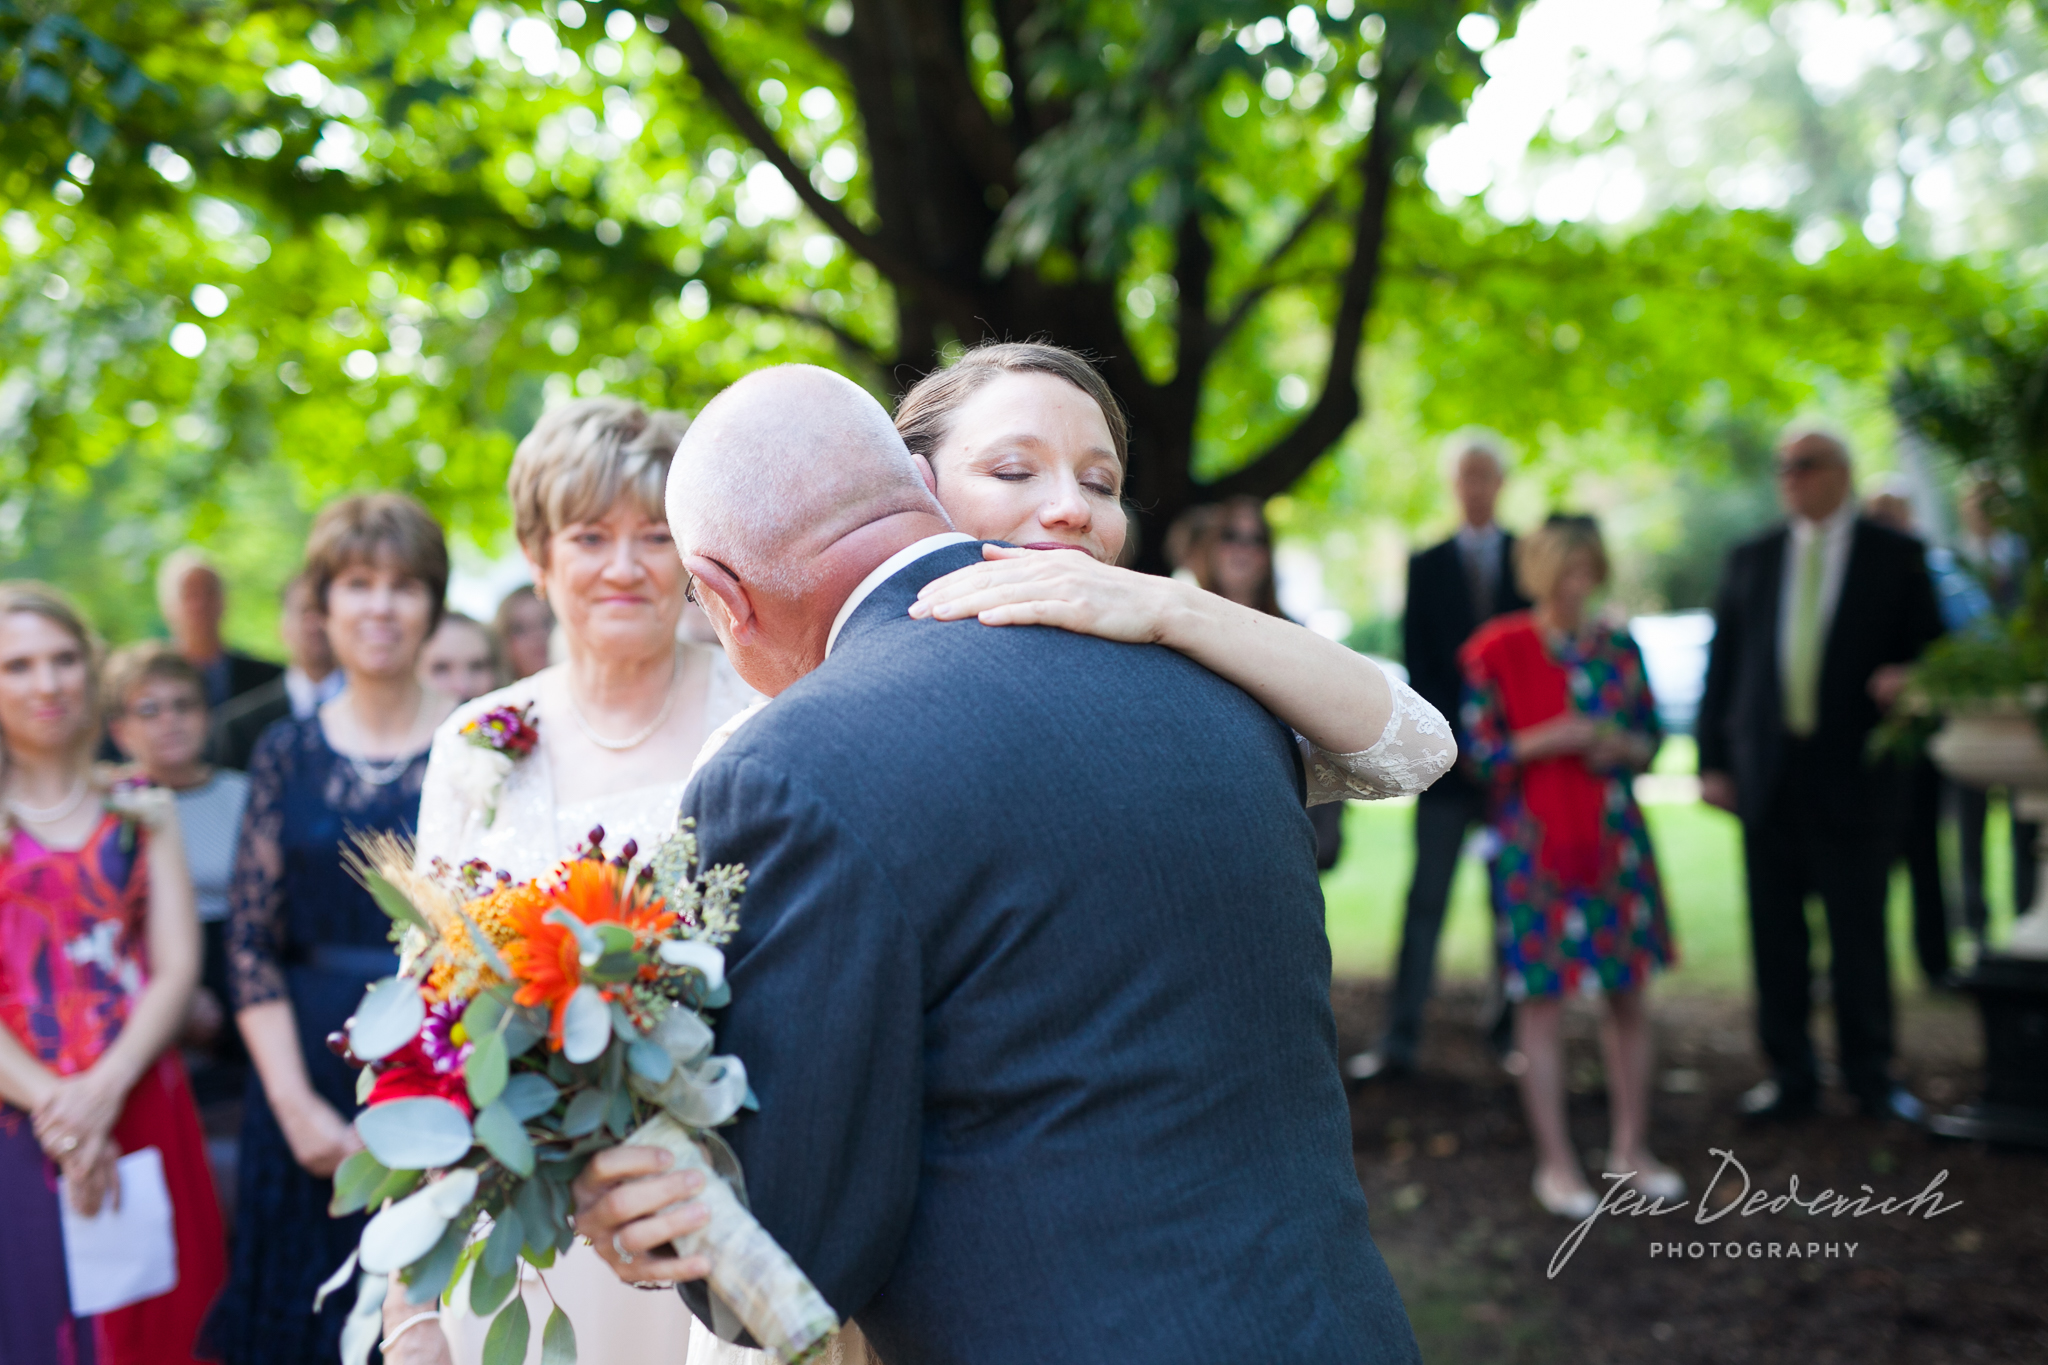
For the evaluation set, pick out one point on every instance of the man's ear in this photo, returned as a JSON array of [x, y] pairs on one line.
[[724, 599], [928, 474]]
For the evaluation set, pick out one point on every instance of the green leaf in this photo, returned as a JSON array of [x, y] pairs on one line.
[[558, 1340], [649, 1059], [366, 1084], [527, 1026], [620, 1116], [415, 1134], [505, 1343], [529, 1095], [586, 1112], [487, 1291], [501, 1248], [586, 1025], [388, 1018], [536, 1215], [483, 1014], [429, 1278], [397, 1185], [355, 1180], [487, 1070], [392, 902], [504, 1137]]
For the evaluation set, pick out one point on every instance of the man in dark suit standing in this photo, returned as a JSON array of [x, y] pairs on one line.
[[1816, 626], [193, 599], [309, 681], [1453, 589], [1011, 1112]]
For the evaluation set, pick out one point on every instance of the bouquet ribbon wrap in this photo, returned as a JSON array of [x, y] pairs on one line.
[[764, 1288]]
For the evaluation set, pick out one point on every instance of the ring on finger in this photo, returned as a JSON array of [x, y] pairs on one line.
[[625, 1256], [67, 1143]]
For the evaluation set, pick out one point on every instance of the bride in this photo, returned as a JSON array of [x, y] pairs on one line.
[[1026, 445]]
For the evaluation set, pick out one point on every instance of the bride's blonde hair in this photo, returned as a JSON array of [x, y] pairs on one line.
[[27, 597]]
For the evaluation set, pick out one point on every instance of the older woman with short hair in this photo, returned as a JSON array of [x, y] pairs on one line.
[[619, 720], [304, 937], [1560, 719]]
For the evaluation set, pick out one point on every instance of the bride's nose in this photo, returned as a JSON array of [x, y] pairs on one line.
[[1068, 506]]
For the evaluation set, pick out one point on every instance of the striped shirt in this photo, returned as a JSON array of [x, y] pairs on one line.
[[210, 815]]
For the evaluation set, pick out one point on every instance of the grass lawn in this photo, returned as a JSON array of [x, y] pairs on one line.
[[1699, 851]]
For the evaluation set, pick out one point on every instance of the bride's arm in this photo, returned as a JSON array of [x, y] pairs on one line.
[[1371, 735]]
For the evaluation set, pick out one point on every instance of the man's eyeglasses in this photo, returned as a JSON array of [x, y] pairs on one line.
[[1799, 466], [183, 706]]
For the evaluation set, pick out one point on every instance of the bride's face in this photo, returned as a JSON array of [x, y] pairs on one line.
[[615, 584], [1028, 459]]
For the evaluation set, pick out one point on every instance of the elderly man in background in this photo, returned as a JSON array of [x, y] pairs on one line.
[[1453, 589], [1816, 626], [309, 682], [193, 599]]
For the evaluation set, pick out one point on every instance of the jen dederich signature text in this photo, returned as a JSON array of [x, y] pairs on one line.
[[1621, 1201]]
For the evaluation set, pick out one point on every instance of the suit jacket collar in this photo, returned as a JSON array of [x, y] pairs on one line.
[[883, 572], [891, 596]]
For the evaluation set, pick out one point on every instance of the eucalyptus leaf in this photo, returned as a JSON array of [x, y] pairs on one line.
[[527, 1026], [397, 1185], [683, 1035], [415, 1134], [623, 1027], [427, 1279], [505, 1343], [529, 1095], [619, 1113], [487, 1070], [649, 1059], [334, 1282], [364, 1327], [388, 1018], [358, 1176], [536, 1215], [586, 1112], [613, 967], [488, 1291], [558, 1339], [409, 1229], [366, 1085], [615, 937], [586, 1025], [483, 1014], [504, 1137], [501, 1248]]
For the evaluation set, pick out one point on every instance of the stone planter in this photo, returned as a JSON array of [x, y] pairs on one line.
[[2000, 746]]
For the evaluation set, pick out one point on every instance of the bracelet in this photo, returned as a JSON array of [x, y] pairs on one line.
[[406, 1326]]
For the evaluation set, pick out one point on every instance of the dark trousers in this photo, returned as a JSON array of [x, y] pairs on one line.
[[1972, 805], [1443, 816], [1920, 846], [1790, 854]]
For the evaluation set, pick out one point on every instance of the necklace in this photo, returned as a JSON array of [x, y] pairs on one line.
[[50, 815], [639, 737], [383, 772]]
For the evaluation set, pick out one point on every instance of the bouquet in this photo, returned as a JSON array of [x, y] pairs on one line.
[[531, 1025]]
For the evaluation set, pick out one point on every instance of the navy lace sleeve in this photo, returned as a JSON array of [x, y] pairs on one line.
[[256, 894]]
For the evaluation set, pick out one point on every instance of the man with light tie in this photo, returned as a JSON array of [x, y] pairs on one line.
[[1816, 626]]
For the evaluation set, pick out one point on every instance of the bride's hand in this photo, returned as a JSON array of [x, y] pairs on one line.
[[631, 1206], [1070, 590]]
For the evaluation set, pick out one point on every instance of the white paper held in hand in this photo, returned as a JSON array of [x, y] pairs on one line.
[[122, 1255]]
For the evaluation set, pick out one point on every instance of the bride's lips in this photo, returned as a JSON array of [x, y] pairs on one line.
[[1055, 545]]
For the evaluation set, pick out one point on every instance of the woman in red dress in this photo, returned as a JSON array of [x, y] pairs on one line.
[[99, 950]]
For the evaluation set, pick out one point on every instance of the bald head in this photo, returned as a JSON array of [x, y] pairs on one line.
[[788, 489], [781, 466]]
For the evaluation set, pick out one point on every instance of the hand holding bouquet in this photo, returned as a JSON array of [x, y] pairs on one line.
[[532, 1025]]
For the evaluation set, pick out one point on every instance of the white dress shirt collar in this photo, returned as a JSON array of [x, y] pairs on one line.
[[307, 696], [1476, 538], [887, 570]]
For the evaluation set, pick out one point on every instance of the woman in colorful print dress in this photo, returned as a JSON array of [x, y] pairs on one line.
[[99, 951], [1560, 719]]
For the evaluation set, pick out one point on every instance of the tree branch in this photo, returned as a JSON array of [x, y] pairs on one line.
[[1262, 282], [855, 346], [687, 38], [1339, 405]]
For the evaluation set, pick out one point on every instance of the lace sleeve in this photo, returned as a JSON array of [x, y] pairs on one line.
[[256, 894], [1415, 749]]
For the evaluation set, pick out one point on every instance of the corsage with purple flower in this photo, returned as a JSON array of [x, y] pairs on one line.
[[493, 742]]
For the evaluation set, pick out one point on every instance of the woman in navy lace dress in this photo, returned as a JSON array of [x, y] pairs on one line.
[[304, 938]]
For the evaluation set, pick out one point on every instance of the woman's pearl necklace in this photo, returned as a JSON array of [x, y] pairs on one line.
[[50, 815], [638, 737]]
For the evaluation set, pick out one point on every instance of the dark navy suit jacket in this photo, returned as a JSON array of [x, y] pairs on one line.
[[1032, 984]]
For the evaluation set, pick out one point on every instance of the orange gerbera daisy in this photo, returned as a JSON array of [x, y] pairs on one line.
[[544, 957]]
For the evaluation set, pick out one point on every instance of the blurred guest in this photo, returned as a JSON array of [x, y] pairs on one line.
[[1920, 832], [193, 600], [1453, 589], [98, 956], [310, 680], [1994, 556], [461, 658], [524, 625], [304, 937], [1559, 719], [1816, 626], [1227, 549]]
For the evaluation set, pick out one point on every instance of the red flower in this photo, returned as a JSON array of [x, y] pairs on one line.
[[409, 1074]]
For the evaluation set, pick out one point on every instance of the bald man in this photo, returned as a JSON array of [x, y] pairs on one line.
[[1815, 625], [1031, 980]]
